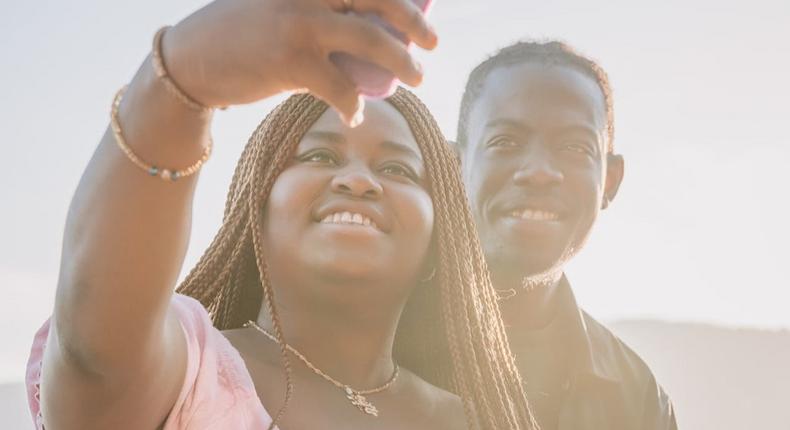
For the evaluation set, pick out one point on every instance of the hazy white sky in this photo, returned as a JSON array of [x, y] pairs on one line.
[[699, 230]]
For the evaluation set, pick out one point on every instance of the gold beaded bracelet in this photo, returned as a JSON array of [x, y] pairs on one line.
[[161, 72], [166, 174]]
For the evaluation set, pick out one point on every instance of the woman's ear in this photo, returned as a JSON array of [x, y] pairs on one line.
[[431, 264]]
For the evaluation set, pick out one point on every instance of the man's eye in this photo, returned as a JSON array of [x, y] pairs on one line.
[[579, 148], [503, 142]]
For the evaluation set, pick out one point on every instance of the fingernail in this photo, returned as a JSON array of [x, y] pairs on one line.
[[432, 32], [356, 119], [417, 66], [359, 115]]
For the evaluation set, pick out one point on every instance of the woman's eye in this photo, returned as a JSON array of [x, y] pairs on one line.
[[397, 169], [503, 142], [318, 157]]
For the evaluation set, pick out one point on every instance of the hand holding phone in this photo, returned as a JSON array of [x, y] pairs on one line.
[[373, 80]]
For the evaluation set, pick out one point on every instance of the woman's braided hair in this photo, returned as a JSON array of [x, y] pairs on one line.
[[450, 333]]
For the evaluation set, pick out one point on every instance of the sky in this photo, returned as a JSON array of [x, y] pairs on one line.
[[699, 231]]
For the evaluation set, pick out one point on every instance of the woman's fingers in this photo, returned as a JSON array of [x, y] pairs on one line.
[[368, 41], [329, 84], [404, 15], [237, 51]]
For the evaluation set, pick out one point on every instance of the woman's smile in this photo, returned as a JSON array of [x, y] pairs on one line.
[[353, 213], [350, 219]]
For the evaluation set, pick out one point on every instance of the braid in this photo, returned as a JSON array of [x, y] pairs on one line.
[[450, 333], [483, 373], [554, 53]]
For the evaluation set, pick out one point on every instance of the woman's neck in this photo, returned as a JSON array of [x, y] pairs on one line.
[[350, 339]]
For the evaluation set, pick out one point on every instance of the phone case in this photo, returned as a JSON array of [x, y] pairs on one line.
[[373, 81]]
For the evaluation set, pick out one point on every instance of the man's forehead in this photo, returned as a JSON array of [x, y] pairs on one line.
[[534, 95]]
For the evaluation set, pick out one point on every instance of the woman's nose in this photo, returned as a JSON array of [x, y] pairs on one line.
[[357, 182]]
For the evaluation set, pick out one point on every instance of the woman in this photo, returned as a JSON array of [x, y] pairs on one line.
[[327, 230]]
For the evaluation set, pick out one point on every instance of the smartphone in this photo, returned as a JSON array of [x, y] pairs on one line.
[[374, 81]]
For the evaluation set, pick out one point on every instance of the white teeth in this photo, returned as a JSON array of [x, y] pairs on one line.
[[348, 218], [535, 215]]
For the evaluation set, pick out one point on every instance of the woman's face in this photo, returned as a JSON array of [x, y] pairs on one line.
[[351, 209]]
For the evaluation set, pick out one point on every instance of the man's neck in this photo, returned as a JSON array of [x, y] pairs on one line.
[[533, 302]]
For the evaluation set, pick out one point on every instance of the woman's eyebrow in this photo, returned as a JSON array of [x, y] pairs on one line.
[[390, 145], [328, 136], [402, 148]]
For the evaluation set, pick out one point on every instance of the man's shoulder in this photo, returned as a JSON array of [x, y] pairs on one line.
[[612, 357]]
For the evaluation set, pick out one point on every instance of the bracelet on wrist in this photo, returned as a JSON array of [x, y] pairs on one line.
[[153, 170], [157, 59]]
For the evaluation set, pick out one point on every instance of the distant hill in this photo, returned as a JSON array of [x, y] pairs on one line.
[[13, 407], [718, 378]]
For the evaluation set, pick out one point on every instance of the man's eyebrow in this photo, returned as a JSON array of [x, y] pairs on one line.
[[505, 123], [598, 135], [514, 124], [575, 128]]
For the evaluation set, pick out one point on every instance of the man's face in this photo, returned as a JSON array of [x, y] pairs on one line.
[[536, 166]]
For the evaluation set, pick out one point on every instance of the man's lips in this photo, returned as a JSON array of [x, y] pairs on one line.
[[534, 215], [533, 210]]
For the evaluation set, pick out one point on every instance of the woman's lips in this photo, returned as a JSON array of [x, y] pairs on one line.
[[349, 218]]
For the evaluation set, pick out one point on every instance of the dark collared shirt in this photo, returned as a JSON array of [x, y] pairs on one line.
[[591, 380]]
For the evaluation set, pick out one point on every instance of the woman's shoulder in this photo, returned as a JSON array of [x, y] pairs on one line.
[[217, 387]]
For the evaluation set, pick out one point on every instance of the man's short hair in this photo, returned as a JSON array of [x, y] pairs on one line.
[[553, 53]]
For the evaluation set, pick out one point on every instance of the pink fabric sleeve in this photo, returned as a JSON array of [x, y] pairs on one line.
[[218, 392], [33, 374]]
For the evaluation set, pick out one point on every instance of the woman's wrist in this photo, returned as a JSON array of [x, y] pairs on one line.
[[189, 50], [158, 126], [162, 72]]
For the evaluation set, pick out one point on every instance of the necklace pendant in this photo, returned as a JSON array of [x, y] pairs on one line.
[[361, 402], [508, 294]]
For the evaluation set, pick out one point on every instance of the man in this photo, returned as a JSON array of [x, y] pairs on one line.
[[535, 136]]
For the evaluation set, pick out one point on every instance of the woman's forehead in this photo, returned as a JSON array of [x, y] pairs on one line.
[[383, 122]]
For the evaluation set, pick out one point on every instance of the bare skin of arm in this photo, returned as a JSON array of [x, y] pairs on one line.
[[115, 356]]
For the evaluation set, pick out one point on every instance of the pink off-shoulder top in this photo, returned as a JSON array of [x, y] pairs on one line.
[[217, 393]]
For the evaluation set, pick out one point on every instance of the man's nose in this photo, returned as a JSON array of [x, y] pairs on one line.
[[538, 168], [357, 182]]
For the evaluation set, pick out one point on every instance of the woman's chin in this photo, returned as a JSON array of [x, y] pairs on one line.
[[352, 266]]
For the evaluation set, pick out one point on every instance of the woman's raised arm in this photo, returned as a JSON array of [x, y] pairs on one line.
[[115, 355]]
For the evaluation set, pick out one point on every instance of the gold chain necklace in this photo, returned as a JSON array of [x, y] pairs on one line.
[[356, 397], [526, 287]]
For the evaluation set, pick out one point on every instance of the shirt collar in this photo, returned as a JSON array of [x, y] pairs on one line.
[[590, 361]]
